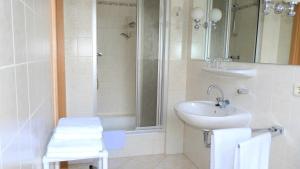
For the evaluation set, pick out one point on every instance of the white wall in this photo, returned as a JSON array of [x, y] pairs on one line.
[[177, 73], [26, 108], [78, 57], [271, 102]]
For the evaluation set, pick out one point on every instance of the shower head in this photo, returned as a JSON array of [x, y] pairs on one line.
[[125, 35]]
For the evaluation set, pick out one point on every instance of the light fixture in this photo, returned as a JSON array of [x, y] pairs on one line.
[[267, 6], [280, 7], [197, 15], [215, 16], [291, 7]]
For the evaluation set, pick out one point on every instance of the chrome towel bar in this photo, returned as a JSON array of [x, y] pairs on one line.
[[274, 130]]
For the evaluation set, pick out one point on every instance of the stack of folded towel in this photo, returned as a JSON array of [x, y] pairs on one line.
[[75, 138], [237, 149]]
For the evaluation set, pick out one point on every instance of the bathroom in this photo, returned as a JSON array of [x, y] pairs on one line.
[[133, 63]]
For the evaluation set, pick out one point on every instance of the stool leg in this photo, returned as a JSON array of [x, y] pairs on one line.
[[57, 165], [45, 164], [100, 163], [105, 160]]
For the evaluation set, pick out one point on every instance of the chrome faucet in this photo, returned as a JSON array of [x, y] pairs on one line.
[[221, 102]]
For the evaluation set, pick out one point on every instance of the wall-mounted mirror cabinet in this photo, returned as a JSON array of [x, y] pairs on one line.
[[251, 31]]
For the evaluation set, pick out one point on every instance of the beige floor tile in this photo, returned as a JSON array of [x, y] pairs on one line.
[[146, 162]]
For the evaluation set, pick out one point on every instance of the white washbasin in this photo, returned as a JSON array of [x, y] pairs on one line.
[[205, 115]]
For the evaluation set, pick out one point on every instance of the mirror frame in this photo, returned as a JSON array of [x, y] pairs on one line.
[[295, 44]]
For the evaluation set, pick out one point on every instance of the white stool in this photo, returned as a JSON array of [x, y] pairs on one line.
[[76, 139], [101, 156]]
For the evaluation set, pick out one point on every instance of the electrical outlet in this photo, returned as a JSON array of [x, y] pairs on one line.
[[297, 89]]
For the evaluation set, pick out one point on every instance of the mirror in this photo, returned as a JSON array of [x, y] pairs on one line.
[[241, 31]]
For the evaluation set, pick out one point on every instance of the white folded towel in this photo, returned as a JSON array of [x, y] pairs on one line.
[[82, 125], [74, 146], [72, 156], [75, 136], [223, 144], [253, 153]]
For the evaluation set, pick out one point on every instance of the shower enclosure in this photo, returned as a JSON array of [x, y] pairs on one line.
[[130, 63]]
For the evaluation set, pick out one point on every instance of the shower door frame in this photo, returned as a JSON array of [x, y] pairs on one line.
[[162, 65], [95, 56], [163, 52]]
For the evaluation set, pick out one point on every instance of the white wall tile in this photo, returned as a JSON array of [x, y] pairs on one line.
[[36, 93], [71, 47], [10, 157], [23, 145], [29, 3], [6, 40], [78, 16], [194, 148], [22, 94], [177, 75], [85, 47], [79, 86], [31, 48], [78, 60], [8, 107], [19, 31], [0, 156]]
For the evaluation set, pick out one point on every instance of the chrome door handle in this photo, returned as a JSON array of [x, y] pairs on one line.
[[99, 54]]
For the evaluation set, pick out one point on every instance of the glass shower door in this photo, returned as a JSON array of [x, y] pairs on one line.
[[148, 63]]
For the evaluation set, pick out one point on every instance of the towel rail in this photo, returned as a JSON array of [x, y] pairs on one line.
[[274, 130]]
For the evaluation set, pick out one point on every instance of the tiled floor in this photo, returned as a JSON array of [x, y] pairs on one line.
[[147, 162]]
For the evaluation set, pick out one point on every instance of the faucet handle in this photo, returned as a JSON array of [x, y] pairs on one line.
[[227, 102], [222, 103], [220, 99]]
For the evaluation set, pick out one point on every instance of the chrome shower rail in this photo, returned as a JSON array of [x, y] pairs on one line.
[[274, 130]]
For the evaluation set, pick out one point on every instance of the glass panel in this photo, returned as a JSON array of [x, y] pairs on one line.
[[199, 35], [148, 60], [244, 24], [117, 64], [218, 32]]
